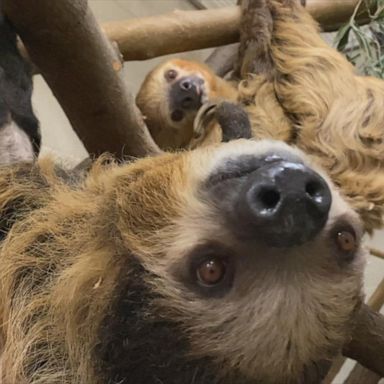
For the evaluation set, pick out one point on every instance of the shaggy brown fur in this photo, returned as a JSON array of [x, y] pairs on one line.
[[312, 98], [95, 284], [323, 107], [98, 277]]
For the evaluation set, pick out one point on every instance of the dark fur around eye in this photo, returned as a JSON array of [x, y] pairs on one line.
[[345, 242], [187, 273]]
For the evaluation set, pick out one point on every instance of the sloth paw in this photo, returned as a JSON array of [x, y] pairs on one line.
[[233, 121]]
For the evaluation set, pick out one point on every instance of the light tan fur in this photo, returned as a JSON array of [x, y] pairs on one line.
[[333, 114], [152, 100], [314, 99]]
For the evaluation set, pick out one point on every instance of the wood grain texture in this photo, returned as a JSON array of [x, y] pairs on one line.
[[367, 344], [82, 69]]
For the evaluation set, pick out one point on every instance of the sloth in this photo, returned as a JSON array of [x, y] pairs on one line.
[[239, 263], [20, 137], [171, 96], [305, 94], [233, 263]]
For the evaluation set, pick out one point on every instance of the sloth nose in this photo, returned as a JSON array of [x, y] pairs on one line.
[[186, 84], [190, 92], [284, 204]]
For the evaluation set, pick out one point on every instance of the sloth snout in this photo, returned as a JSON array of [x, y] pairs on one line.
[[275, 199], [186, 94], [284, 204]]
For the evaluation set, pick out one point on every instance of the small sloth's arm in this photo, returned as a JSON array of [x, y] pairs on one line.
[[233, 121]]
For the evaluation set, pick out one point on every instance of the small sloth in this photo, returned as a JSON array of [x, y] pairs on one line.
[[171, 96], [305, 94], [238, 263]]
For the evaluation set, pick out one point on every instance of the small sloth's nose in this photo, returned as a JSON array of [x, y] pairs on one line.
[[186, 84], [284, 204], [190, 95]]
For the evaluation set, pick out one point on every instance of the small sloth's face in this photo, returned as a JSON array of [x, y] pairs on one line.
[[176, 90], [257, 267], [186, 93]]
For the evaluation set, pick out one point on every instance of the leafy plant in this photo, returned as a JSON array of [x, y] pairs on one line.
[[364, 45]]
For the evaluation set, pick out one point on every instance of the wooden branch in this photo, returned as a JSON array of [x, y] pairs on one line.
[[332, 14], [81, 67], [223, 59], [337, 364], [376, 301], [180, 31], [367, 344], [377, 253], [361, 375]]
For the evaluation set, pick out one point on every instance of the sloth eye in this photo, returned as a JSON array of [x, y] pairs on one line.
[[211, 272], [346, 241], [170, 75]]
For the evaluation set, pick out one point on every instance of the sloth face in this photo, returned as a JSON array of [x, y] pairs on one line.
[[186, 93], [176, 90], [245, 267]]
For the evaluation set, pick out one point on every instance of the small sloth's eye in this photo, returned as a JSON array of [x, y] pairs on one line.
[[346, 241], [211, 271], [170, 75]]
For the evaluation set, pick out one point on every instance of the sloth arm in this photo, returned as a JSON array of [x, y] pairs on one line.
[[330, 105], [338, 116]]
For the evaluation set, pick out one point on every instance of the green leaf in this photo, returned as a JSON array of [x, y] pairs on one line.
[[362, 40], [342, 37], [365, 47]]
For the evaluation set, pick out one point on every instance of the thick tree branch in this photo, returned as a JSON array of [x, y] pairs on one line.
[[223, 59], [376, 301], [361, 375], [81, 67], [367, 344], [332, 14], [181, 31], [377, 253]]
